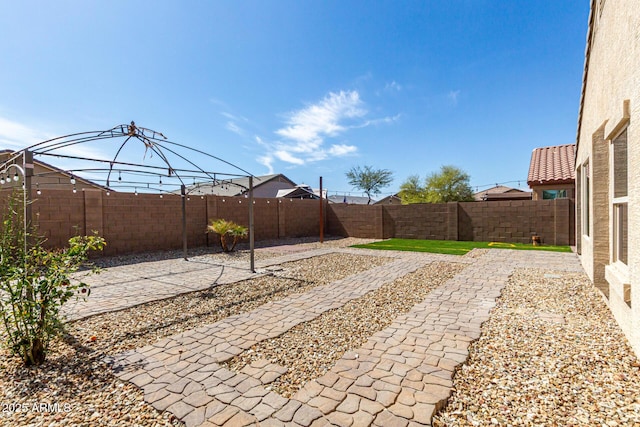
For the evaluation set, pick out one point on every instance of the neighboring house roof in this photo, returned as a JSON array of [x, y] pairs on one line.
[[238, 186], [301, 191], [393, 199], [513, 195], [48, 176], [501, 189], [349, 200], [552, 165]]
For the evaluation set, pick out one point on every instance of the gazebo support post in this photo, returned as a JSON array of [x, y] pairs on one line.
[[251, 228], [27, 170], [321, 216], [183, 193]]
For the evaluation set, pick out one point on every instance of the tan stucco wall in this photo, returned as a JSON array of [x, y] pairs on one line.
[[613, 76], [538, 189]]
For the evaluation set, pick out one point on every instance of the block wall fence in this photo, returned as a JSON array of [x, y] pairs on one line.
[[136, 223], [501, 221]]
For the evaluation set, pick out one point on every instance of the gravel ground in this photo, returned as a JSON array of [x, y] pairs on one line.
[[550, 355], [75, 387], [310, 349], [264, 249]]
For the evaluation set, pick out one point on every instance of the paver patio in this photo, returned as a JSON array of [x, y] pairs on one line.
[[400, 376], [117, 288]]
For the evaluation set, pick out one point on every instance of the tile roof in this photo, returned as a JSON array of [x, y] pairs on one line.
[[552, 165], [497, 189]]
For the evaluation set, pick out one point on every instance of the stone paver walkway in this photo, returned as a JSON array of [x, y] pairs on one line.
[[117, 288], [399, 377]]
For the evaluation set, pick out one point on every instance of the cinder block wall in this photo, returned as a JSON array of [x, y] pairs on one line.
[[145, 222], [421, 221], [136, 223], [59, 218], [503, 221], [365, 221], [516, 221]]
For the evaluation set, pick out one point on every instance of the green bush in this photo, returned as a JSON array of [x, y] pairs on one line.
[[226, 229], [35, 283]]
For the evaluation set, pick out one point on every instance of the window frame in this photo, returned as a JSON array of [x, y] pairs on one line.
[[617, 206], [585, 194]]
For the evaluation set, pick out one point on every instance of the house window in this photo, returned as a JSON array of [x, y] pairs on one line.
[[554, 194], [586, 195], [619, 202]]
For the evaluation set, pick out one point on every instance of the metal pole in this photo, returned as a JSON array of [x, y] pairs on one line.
[[183, 193], [27, 171], [206, 218], [251, 229], [321, 216]]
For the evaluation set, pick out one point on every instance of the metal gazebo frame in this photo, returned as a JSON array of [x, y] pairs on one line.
[[171, 163]]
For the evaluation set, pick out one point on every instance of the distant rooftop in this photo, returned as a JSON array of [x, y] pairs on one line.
[[350, 200], [552, 165], [302, 191], [497, 190], [238, 186]]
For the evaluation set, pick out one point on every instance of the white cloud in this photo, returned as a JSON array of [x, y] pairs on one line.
[[382, 120], [266, 160], [235, 128], [307, 129], [316, 156], [308, 126], [219, 102], [233, 117], [285, 156], [232, 123], [14, 135], [339, 150], [452, 96], [393, 87]]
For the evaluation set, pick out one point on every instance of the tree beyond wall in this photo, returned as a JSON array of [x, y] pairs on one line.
[[136, 223]]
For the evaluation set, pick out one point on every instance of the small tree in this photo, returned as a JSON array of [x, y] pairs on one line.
[[35, 283], [451, 184], [369, 180], [226, 229], [411, 191]]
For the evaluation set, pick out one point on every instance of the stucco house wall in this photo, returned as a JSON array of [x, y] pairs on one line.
[[610, 104], [539, 190], [552, 172]]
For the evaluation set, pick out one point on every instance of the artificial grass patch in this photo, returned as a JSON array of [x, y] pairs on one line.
[[453, 247]]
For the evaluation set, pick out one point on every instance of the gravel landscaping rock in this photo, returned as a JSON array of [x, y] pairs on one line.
[[74, 387], [264, 249], [310, 349], [550, 355]]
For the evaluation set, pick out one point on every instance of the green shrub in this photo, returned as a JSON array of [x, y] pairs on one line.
[[35, 283]]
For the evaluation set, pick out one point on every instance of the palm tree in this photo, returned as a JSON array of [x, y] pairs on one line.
[[225, 229]]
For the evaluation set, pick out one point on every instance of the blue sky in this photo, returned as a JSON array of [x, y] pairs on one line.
[[304, 88]]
